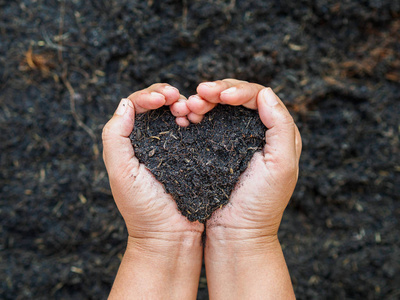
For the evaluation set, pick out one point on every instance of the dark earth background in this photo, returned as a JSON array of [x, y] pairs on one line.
[[64, 65]]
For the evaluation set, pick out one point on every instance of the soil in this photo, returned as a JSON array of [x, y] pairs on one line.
[[64, 66], [198, 165]]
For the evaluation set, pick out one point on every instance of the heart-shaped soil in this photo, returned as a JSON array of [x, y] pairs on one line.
[[198, 165]]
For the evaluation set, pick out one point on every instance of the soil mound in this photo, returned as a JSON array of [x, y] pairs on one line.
[[198, 165]]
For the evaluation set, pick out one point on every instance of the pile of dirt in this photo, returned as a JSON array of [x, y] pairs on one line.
[[198, 165]]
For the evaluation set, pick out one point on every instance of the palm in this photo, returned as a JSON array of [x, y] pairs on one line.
[[145, 205], [258, 200]]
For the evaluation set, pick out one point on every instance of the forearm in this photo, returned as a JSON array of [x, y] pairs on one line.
[[252, 268], [170, 272]]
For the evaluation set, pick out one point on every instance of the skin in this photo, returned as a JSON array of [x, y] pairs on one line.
[[242, 253], [164, 252]]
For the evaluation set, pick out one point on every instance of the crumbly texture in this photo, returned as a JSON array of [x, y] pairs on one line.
[[198, 165]]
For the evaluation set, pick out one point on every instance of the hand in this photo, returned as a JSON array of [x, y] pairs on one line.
[[164, 249], [264, 189], [243, 256], [142, 201]]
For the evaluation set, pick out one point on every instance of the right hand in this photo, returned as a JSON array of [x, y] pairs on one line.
[[263, 191]]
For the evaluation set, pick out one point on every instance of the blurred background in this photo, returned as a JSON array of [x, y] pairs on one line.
[[64, 65]]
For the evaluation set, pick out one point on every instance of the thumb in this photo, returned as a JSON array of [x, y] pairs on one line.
[[280, 148], [117, 148]]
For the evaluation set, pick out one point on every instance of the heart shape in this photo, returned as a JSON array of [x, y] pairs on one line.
[[198, 165]]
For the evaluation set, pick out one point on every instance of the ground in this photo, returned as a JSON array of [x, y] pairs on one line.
[[65, 65]]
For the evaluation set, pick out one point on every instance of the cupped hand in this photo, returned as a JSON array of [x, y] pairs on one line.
[[148, 211], [263, 191]]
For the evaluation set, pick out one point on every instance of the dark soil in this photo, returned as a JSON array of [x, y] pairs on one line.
[[64, 66], [198, 165]]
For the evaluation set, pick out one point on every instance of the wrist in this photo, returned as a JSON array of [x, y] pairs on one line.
[[241, 252], [246, 266], [159, 268], [164, 245], [241, 241]]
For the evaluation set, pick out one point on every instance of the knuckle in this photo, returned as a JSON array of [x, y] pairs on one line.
[[299, 143], [157, 85], [220, 82], [287, 120], [298, 136], [107, 132], [289, 170], [142, 93], [104, 156]]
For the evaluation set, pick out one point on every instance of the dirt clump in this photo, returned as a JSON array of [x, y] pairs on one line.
[[198, 165]]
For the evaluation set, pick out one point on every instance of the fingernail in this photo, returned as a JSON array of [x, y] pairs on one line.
[[170, 88], [210, 84], [122, 106], [269, 97], [155, 94], [195, 97], [130, 104], [230, 90]]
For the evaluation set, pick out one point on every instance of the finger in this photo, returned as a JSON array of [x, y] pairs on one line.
[[170, 93], [180, 108], [243, 93], [195, 118], [198, 105], [210, 91], [117, 148], [298, 143], [182, 121], [280, 147], [145, 100], [154, 97]]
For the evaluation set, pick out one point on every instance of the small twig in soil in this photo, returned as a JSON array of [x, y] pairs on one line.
[[184, 14], [60, 30], [49, 42], [76, 117]]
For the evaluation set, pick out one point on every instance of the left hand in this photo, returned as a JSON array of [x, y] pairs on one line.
[[149, 212], [164, 250]]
